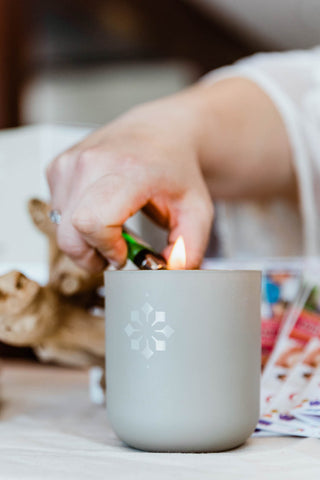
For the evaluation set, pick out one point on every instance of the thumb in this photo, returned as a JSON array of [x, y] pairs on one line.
[[193, 223]]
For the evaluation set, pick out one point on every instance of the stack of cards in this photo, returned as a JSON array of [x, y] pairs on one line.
[[290, 393]]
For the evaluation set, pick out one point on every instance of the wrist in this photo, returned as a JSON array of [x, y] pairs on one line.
[[241, 141]]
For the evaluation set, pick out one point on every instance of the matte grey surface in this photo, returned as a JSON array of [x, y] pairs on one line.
[[183, 358]]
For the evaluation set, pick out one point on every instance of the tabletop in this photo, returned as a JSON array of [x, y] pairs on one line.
[[49, 429]]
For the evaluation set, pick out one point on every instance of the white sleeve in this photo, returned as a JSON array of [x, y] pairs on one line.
[[292, 81]]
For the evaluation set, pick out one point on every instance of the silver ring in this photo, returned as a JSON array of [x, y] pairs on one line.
[[55, 216]]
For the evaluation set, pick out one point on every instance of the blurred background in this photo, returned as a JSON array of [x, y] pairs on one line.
[[76, 61], [82, 62]]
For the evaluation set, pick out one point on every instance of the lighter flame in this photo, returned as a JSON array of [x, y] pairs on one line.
[[178, 258]]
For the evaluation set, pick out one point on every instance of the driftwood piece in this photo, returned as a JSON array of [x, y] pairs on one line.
[[57, 329], [56, 320], [65, 276]]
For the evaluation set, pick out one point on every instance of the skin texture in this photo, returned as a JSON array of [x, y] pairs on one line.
[[171, 158]]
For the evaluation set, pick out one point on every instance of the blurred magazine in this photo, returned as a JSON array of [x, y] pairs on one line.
[[290, 391], [290, 344], [281, 282]]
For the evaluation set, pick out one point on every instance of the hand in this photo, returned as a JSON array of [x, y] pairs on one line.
[[147, 159], [156, 157]]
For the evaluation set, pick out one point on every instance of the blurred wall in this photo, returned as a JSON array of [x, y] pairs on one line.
[[283, 24], [95, 95], [90, 63]]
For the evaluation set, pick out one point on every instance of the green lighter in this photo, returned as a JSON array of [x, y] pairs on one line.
[[142, 255]]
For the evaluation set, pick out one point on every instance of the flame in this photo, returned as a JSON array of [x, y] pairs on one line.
[[178, 258]]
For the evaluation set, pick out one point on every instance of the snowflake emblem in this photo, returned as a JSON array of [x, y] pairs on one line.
[[148, 331]]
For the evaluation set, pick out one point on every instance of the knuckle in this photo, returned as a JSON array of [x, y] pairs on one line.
[[131, 160], [61, 162], [70, 247], [85, 222], [57, 167], [85, 158]]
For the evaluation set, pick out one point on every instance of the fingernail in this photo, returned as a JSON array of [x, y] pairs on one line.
[[114, 265]]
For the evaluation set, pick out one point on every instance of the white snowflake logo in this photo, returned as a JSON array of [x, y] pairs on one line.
[[148, 332]]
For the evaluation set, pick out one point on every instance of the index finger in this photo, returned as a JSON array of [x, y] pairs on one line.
[[106, 205]]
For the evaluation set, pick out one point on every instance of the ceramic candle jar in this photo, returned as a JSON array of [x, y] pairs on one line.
[[183, 358]]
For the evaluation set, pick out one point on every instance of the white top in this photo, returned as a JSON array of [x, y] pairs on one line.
[[292, 81]]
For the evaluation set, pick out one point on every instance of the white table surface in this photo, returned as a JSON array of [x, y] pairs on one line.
[[49, 430]]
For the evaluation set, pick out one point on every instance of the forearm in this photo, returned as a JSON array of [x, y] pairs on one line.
[[244, 150]]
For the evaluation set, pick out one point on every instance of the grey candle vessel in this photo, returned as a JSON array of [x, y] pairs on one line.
[[183, 358]]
